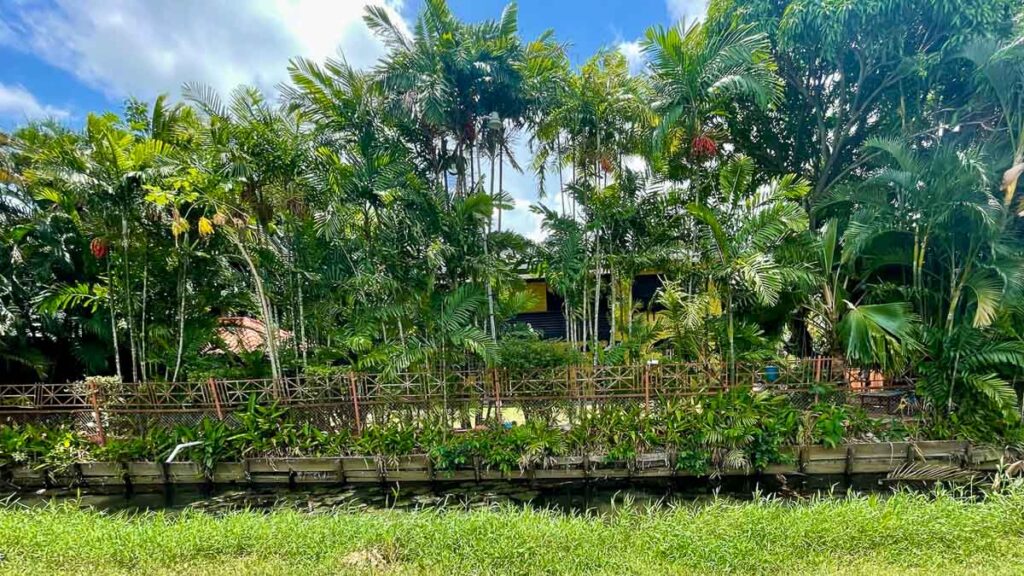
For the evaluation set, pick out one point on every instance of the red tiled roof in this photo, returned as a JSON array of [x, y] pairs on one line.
[[243, 334]]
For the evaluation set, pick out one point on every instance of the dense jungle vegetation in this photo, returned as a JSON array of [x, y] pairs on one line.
[[807, 177]]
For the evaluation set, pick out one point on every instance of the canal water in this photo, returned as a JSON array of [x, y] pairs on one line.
[[572, 497]]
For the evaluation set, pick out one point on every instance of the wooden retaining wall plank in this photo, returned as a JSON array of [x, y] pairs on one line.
[[292, 470], [878, 458], [874, 458], [360, 470], [145, 473], [944, 451], [558, 474], [412, 468], [489, 475], [102, 473], [27, 477], [184, 473], [791, 468], [455, 475], [229, 473], [821, 460], [986, 458]]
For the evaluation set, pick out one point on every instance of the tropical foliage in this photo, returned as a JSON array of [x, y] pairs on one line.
[[805, 177], [708, 435]]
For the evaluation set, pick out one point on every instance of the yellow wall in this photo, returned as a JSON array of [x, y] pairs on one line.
[[538, 292]]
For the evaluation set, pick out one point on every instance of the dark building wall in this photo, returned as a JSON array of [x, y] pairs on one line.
[[551, 322], [645, 288]]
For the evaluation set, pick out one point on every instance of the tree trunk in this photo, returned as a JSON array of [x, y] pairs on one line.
[[268, 319], [597, 299], [614, 306], [142, 344], [490, 291], [561, 185], [181, 316], [472, 171], [732, 343], [128, 300], [501, 180], [585, 318], [113, 324], [565, 312], [629, 301]]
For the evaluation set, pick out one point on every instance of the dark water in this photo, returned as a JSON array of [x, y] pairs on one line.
[[593, 497]]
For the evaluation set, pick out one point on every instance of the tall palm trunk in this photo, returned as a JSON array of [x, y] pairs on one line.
[[128, 300], [732, 342], [614, 306], [142, 339], [490, 290], [597, 298], [561, 184], [585, 317], [501, 180], [182, 285], [113, 324], [568, 324], [268, 318]]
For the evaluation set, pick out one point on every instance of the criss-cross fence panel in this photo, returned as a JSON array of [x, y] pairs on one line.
[[462, 396]]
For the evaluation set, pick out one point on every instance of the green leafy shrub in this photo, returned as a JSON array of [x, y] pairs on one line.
[[153, 444], [506, 449], [529, 351], [390, 439], [829, 425]]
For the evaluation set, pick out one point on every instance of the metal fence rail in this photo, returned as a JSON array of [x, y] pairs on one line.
[[350, 399]]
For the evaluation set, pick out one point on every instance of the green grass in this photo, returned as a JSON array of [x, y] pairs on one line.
[[901, 534]]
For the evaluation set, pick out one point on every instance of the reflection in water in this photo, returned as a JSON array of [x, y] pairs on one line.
[[594, 497]]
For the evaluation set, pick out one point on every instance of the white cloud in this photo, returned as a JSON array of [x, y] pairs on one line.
[[18, 104], [686, 10], [525, 192], [634, 55], [127, 47]]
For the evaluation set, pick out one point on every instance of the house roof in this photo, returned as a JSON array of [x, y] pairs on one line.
[[243, 334]]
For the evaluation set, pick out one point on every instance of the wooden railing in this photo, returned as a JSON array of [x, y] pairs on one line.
[[485, 385]]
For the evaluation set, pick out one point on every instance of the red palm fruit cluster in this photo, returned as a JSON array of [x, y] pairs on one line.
[[99, 248], [703, 146]]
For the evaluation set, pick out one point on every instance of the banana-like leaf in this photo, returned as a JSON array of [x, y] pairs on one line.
[[872, 333]]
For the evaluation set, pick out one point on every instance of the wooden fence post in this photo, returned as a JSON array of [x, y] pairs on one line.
[[355, 400], [216, 399], [101, 434]]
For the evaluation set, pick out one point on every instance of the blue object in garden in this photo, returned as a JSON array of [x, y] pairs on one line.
[[771, 374], [507, 425]]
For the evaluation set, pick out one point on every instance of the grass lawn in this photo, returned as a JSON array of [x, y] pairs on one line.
[[901, 534]]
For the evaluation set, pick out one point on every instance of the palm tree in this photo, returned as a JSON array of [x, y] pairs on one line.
[[694, 72], [255, 154], [745, 231], [107, 172], [932, 213], [881, 334]]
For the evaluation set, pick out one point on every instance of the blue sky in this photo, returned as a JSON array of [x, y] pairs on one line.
[[66, 58]]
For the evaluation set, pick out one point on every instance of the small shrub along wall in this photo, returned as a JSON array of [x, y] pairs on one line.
[[735, 432]]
